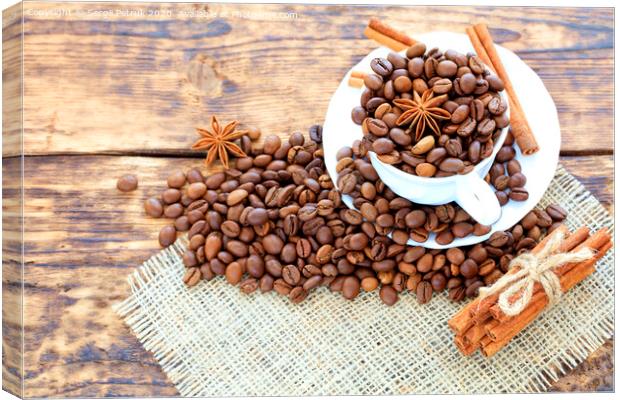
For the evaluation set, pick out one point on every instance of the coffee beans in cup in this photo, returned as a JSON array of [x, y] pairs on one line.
[[431, 113]]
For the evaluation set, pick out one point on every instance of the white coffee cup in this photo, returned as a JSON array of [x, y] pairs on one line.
[[470, 191]]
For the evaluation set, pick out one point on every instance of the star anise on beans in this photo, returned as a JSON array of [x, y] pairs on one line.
[[219, 141], [422, 112]]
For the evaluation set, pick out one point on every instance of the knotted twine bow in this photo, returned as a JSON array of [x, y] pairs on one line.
[[534, 268]]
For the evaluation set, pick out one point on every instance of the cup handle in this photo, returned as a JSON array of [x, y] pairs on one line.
[[476, 197]]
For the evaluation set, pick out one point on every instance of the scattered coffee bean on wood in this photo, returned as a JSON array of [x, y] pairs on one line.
[[127, 183]]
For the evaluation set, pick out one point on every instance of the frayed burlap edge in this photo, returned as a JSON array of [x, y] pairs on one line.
[[214, 341]]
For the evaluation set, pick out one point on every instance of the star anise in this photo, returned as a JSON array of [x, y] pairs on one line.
[[422, 112], [219, 141]]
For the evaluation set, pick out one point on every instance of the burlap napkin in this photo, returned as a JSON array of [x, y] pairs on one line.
[[212, 340]]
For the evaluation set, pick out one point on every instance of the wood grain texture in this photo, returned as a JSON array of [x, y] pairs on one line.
[[97, 83], [82, 238], [138, 85], [12, 262]]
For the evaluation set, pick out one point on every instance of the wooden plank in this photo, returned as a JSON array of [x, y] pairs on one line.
[[12, 262], [83, 237], [97, 83]]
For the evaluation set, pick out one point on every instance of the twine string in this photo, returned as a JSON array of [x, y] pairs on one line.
[[534, 268]]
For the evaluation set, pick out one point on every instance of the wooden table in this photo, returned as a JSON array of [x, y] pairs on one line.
[[106, 94]]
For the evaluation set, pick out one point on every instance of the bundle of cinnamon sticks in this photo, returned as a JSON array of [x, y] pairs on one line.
[[483, 325]]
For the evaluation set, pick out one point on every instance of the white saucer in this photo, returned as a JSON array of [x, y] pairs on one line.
[[339, 130]]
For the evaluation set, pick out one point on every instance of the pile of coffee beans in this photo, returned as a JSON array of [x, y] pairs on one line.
[[457, 94], [390, 213], [405, 220], [505, 174], [276, 222]]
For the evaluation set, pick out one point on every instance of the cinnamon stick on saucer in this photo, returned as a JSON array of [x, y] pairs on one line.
[[356, 79], [485, 49], [387, 36]]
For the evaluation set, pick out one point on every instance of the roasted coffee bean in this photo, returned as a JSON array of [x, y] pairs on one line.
[[273, 244], [480, 230], [462, 229], [501, 182], [182, 224], [529, 220], [402, 84], [472, 290], [196, 190], [248, 285], [416, 50], [153, 207], [192, 276], [498, 239], [194, 175], [517, 180], [127, 183], [425, 169], [502, 197], [176, 179], [312, 282], [543, 219], [451, 165], [358, 114], [381, 66], [518, 194], [497, 106], [291, 274], [350, 287], [556, 212], [506, 153], [438, 282], [298, 294], [170, 196], [424, 145], [173, 211], [513, 167], [234, 273], [266, 283], [167, 235], [282, 287], [303, 248], [469, 268], [369, 284], [424, 292], [388, 295], [383, 146]]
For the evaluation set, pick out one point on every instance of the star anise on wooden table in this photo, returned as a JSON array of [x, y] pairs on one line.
[[219, 141], [422, 112]]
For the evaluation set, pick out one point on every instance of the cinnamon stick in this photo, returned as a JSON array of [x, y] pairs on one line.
[[504, 328], [387, 36], [461, 321], [505, 331], [492, 330], [485, 49], [485, 304], [568, 273], [474, 334], [355, 82]]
